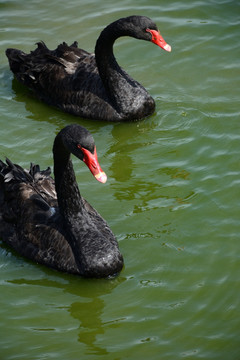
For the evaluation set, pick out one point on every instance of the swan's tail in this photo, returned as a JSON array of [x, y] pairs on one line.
[[16, 59], [26, 66]]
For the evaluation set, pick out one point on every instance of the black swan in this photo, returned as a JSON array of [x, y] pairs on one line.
[[92, 86], [56, 226]]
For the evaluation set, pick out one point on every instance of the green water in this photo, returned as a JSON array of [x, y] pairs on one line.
[[172, 196]]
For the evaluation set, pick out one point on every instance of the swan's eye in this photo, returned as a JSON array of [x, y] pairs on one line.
[[150, 31], [154, 34]]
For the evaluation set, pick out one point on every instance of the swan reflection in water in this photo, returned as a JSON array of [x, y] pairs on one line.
[[88, 307]]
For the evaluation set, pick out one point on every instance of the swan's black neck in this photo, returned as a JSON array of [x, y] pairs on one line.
[[124, 92], [69, 198], [104, 49], [70, 202]]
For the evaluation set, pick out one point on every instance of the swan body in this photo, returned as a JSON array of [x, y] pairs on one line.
[[48, 221], [88, 85]]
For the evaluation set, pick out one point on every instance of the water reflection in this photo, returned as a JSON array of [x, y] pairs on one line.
[[36, 109], [89, 315], [87, 310]]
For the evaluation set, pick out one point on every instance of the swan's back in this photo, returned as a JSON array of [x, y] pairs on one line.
[[28, 68], [29, 218], [66, 78], [44, 70]]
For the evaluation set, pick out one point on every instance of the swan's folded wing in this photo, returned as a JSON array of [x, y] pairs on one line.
[[26, 195], [29, 217]]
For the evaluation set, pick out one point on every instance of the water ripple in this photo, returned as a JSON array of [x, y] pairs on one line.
[[172, 196]]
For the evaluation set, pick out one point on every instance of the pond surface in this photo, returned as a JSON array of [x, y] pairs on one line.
[[172, 196]]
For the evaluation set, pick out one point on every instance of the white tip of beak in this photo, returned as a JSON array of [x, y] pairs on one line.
[[167, 48], [102, 177]]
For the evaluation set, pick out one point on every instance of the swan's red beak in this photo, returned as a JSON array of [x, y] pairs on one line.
[[159, 40], [92, 163]]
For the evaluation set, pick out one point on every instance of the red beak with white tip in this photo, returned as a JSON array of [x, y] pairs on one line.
[[92, 163], [159, 40]]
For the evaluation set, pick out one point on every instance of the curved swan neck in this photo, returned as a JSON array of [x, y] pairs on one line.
[[114, 78], [128, 97], [104, 45], [105, 58], [69, 198]]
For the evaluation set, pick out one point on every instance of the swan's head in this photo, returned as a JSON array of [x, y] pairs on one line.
[[142, 27], [80, 143]]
